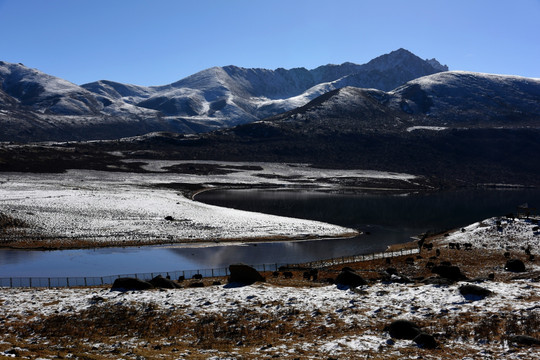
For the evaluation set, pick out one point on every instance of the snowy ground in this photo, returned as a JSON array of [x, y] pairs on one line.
[[326, 306], [113, 207], [499, 233], [302, 319], [350, 323]]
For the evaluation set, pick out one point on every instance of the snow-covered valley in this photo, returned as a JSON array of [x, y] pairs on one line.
[[138, 208]]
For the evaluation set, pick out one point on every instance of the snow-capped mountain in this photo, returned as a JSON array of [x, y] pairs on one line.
[[45, 93], [38, 106], [451, 99], [458, 127]]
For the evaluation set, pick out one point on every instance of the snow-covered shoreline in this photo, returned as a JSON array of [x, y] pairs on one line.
[[133, 208], [325, 320]]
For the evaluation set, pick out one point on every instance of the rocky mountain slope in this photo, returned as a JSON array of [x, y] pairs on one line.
[[447, 100], [35, 106], [458, 127]]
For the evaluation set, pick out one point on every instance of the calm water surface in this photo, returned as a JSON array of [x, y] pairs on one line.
[[388, 219]]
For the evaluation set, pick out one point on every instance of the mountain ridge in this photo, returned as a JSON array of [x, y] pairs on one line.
[[451, 128], [215, 98]]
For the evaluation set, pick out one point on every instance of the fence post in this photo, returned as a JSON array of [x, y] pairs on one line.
[[30, 280], [212, 272], [264, 267], [49, 282], [85, 282], [102, 281], [10, 282], [67, 281]]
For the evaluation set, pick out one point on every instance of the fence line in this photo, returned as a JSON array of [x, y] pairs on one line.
[[53, 282]]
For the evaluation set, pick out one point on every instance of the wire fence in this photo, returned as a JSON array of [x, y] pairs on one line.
[[54, 282]]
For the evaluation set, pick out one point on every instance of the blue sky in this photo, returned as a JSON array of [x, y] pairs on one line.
[[160, 41]]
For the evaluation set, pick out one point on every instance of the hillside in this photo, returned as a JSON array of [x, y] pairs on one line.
[[462, 128], [486, 310], [35, 106]]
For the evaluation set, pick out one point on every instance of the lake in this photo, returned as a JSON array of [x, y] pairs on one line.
[[388, 218]]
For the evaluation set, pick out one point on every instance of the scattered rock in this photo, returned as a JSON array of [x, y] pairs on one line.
[[473, 292], [127, 284], [244, 274], [348, 277], [196, 285], [425, 341], [96, 299], [403, 329], [449, 272], [524, 340], [437, 281], [396, 278], [515, 265], [163, 283]]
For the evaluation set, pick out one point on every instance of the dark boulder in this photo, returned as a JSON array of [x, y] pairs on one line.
[[244, 274], [163, 283], [449, 272], [515, 265], [439, 281], [127, 284], [396, 278], [425, 341], [403, 329], [473, 292], [348, 277], [524, 340]]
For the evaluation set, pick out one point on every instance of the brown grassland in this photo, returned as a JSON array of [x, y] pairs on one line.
[[145, 331]]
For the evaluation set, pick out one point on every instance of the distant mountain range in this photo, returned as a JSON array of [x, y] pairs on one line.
[[455, 127], [446, 100], [35, 106], [395, 113]]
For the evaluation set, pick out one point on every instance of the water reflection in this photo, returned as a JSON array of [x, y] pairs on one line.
[[438, 210], [389, 219]]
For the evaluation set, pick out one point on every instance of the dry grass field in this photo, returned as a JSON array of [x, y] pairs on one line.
[[293, 318]]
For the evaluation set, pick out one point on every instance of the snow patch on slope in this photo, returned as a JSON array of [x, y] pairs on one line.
[[499, 233]]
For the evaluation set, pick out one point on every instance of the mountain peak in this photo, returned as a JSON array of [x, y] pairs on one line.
[[210, 99], [404, 58]]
